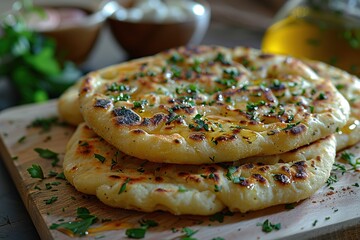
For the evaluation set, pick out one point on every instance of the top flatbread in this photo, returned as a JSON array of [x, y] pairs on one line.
[[211, 104], [95, 167], [349, 87]]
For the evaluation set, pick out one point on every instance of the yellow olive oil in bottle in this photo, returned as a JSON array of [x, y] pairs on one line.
[[323, 30]]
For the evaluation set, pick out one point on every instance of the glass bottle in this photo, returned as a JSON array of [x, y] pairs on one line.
[[325, 30]]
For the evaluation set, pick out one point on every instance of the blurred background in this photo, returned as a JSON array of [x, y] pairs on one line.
[[47, 45]]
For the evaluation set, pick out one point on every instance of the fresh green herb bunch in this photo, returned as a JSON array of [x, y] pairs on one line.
[[28, 59]]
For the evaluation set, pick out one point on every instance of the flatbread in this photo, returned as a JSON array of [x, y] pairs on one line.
[[95, 167], [68, 106], [349, 87], [211, 104]]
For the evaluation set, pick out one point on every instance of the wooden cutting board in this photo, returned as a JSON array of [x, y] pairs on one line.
[[328, 211]]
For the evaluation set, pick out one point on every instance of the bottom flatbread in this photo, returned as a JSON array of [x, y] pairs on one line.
[[95, 167]]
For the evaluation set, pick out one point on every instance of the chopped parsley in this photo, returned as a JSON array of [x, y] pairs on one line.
[[331, 180], [230, 171], [196, 67], [200, 124], [176, 58], [217, 188], [322, 96], [51, 200], [176, 71], [44, 123], [139, 233], [250, 107], [238, 180], [79, 227], [314, 223], [290, 206], [188, 232], [340, 167], [99, 157], [220, 57], [61, 176], [122, 97], [219, 216], [290, 126], [48, 154], [350, 158], [140, 104], [22, 139], [118, 87], [228, 82], [267, 226], [36, 171], [136, 233], [182, 189], [148, 223], [123, 186]]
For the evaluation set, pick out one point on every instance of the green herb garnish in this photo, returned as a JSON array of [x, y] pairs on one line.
[[219, 216], [200, 124], [136, 233], [36, 171], [148, 223], [22, 139], [79, 227], [290, 126], [331, 180], [140, 232], [123, 186], [188, 232], [99, 157], [48, 154], [267, 226], [61, 176], [29, 59], [50, 200], [44, 123]]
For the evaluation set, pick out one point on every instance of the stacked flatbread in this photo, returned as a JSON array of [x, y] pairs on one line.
[[196, 130]]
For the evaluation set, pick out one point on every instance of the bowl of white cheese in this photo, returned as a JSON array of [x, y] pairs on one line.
[[146, 27]]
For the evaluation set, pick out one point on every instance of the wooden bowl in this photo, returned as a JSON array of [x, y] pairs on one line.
[[75, 42], [143, 38]]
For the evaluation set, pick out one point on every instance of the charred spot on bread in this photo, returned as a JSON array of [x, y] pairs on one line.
[[138, 131], [197, 137], [102, 103], [126, 116], [259, 177], [281, 178], [296, 130]]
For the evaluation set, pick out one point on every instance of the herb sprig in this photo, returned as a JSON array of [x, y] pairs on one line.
[[79, 227]]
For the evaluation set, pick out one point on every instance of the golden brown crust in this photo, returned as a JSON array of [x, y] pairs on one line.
[[211, 104], [349, 86], [95, 167]]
